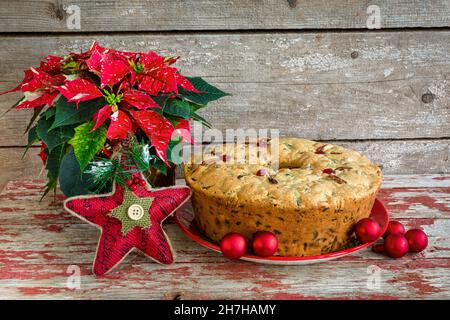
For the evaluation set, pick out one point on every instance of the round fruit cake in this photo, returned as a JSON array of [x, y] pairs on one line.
[[309, 194]]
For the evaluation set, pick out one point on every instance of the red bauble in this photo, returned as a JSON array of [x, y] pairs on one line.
[[265, 243], [417, 240], [394, 227], [233, 245], [396, 245], [367, 230]]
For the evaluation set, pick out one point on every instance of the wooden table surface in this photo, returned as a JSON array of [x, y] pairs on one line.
[[39, 241]]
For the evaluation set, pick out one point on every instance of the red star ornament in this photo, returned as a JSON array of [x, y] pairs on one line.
[[114, 244]]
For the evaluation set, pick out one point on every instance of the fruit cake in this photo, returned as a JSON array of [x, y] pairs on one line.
[[309, 194]]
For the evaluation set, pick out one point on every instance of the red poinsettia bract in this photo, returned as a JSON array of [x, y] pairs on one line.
[[128, 83]]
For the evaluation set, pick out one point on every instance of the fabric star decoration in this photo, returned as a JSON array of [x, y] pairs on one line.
[[129, 220]]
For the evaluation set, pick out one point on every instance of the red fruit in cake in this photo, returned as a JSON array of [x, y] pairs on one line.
[[367, 230], [417, 240], [265, 243], [328, 171], [378, 248], [233, 245], [261, 172], [396, 245], [394, 227], [225, 158]]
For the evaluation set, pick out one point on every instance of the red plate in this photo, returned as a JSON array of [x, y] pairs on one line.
[[184, 217]]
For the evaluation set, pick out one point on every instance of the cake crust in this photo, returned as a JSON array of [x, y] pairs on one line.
[[311, 201]]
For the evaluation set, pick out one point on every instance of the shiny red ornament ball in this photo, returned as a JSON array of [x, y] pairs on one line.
[[129, 182], [394, 227], [134, 187], [265, 244], [142, 183], [396, 245], [417, 240], [367, 230], [233, 245]]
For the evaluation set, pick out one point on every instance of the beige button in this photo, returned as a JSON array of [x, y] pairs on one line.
[[135, 212]]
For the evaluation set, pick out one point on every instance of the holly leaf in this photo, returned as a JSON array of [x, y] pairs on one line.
[[86, 143], [71, 181], [53, 138], [178, 108], [206, 93], [67, 113]]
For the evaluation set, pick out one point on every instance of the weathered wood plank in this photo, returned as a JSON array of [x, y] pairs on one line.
[[303, 84], [12, 166], [400, 279], [51, 16], [396, 157]]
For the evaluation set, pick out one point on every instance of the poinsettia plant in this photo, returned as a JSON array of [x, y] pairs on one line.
[[89, 106]]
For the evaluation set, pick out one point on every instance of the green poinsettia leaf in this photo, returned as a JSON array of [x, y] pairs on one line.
[[207, 92], [50, 113], [161, 99], [86, 143], [36, 113], [53, 167], [67, 113], [200, 119], [53, 138], [178, 108], [71, 180], [32, 138]]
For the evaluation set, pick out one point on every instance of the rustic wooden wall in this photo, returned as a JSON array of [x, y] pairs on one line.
[[309, 68]]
